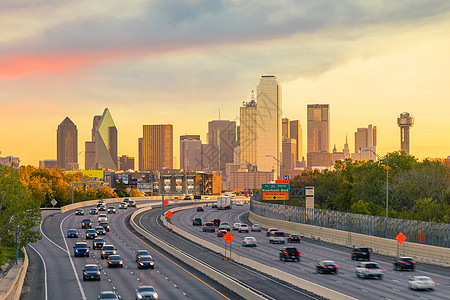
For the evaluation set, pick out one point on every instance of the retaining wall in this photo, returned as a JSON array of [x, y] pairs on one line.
[[14, 280]]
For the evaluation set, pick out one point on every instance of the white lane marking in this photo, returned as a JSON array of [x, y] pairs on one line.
[[45, 271], [83, 295], [40, 228]]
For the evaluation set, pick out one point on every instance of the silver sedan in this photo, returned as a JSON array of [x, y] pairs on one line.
[[249, 241]]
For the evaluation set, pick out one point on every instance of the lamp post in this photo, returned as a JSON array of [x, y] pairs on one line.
[[71, 163], [386, 162], [254, 177], [278, 162]]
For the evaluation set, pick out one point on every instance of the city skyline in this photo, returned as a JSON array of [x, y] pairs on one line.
[[369, 62]]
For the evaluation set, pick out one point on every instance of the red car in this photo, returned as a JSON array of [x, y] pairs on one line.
[[221, 232]]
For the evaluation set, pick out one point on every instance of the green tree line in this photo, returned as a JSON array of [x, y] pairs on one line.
[[418, 190]]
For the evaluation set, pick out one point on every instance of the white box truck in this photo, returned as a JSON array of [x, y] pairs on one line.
[[224, 202]]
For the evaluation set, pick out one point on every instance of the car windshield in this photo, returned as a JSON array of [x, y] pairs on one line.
[[279, 234], [406, 258], [90, 231], [291, 249], [108, 296], [295, 235], [143, 252], [363, 249], [224, 223], [423, 278], [146, 289], [146, 258], [372, 266], [328, 263], [91, 268], [80, 245], [108, 247], [86, 220], [99, 228], [115, 257], [244, 225], [103, 224], [256, 226], [72, 230]]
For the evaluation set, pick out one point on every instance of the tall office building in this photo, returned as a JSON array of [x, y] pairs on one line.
[[248, 131], [318, 116], [268, 125], [190, 153], [405, 122], [106, 142], [366, 142], [67, 145], [295, 129], [89, 147], [285, 128], [289, 154], [222, 134], [140, 154], [157, 147], [126, 163]]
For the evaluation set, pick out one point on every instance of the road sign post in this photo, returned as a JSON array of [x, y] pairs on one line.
[[228, 237], [400, 239], [277, 191], [53, 202]]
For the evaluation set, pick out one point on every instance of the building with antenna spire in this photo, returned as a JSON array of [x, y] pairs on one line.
[[405, 122]]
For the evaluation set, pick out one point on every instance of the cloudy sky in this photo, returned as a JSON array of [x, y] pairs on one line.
[[180, 62]]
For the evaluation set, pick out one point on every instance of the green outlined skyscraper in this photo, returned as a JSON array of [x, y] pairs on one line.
[[106, 143]]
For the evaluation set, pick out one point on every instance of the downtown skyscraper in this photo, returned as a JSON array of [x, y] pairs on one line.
[[157, 147], [318, 135], [67, 145], [247, 115], [106, 142], [268, 125]]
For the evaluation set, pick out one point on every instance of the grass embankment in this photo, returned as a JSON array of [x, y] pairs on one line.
[[7, 253]]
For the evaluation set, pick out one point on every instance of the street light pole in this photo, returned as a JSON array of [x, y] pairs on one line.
[[254, 177]]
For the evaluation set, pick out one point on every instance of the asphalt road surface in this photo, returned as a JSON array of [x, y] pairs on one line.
[[392, 286]]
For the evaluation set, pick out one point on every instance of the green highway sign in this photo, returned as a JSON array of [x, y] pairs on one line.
[[267, 188]]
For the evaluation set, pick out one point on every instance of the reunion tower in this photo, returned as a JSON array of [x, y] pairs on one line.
[[405, 122]]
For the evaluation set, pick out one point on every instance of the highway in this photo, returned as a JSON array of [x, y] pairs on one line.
[[393, 286], [172, 278]]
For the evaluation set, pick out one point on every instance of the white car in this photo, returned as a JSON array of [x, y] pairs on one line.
[[369, 269], [102, 218], [236, 226], [123, 205], [243, 228], [256, 227], [224, 225], [239, 203], [421, 283], [249, 241]]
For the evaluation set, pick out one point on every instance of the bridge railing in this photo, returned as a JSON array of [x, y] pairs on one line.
[[429, 233]]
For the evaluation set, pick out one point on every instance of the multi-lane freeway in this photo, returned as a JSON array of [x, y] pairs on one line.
[[62, 275], [392, 286]]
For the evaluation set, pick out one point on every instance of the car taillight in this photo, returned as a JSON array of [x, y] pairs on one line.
[[382, 270], [336, 267], [432, 282], [367, 270], [413, 262], [286, 254], [325, 267], [402, 262], [299, 254]]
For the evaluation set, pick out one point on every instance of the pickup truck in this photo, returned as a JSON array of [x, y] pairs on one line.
[[369, 269]]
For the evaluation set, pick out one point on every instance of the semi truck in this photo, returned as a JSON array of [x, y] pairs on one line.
[[224, 202]]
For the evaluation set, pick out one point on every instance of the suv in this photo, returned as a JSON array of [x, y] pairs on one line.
[[209, 227], [276, 237], [91, 234], [104, 225], [100, 202], [132, 203], [86, 223], [200, 208], [363, 253], [98, 243], [108, 250], [404, 263], [111, 210], [81, 248], [290, 253], [294, 238], [224, 225], [197, 222], [91, 271], [216, 222], [243, 228], [369, 269], [79, 211]]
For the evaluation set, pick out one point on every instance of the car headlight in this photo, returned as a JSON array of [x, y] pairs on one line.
[[103, 252], [120, 262], [141, 264], [139, 296], [155, 296], [152, 263], [114, 252], [76, 250]]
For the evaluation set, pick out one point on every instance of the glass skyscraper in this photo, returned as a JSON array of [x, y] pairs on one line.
[[106, 142], [67, 145]]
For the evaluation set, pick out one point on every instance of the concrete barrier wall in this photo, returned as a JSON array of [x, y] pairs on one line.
[[14, 279], [294, 280], [220, 278], [421, 253]]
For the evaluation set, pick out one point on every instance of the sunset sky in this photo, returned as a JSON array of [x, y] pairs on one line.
[[180, 62]]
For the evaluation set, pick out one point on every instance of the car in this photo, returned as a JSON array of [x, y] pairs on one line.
[[146, 292], [100, 230], [404, 263], [221, 232], [108, 250], [214, 205], [115, 261], [249, 241], [127, 201], [86, 223], [132, 203], [91, 234], [200, 208], [123, 205], [187, 197], [216, 222], [369, 270], [102, 208], [98, 243], [100, 202], [361, 253], [79, 211], [277, 237], [145, 262], [236, 226], [91, 271], [197, 222], [104, 225], [294, 238], [224, 225], [81, 249], [140, 253], [111, 210], [290, 253], [72, 233], [269, 231], [421, 283], [102, 218], [93, 211], [243, 228], [239, 203], [256, 227], [108, 295], [208, 226], [326, 266]]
